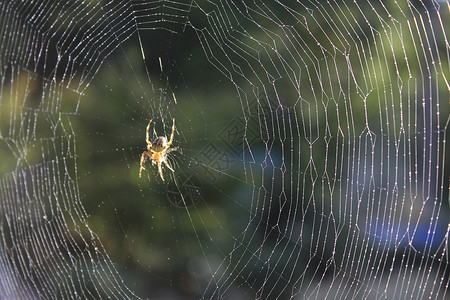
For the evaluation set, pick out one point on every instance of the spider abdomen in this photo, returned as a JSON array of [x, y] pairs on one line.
[[159, 144]]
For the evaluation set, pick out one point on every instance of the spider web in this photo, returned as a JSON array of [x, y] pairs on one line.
[[312, 160]]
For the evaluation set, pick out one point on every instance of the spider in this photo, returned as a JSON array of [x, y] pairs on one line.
[[157, 150]]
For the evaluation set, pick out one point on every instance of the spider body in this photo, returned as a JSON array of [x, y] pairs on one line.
[[157, 150]]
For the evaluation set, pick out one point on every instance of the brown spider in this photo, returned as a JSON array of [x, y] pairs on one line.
[[157, 151]]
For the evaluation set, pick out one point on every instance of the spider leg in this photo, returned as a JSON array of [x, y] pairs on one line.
[[143, 159], [146, 134], [171, 149], [167, 165], [171, 135], [160, 171]]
